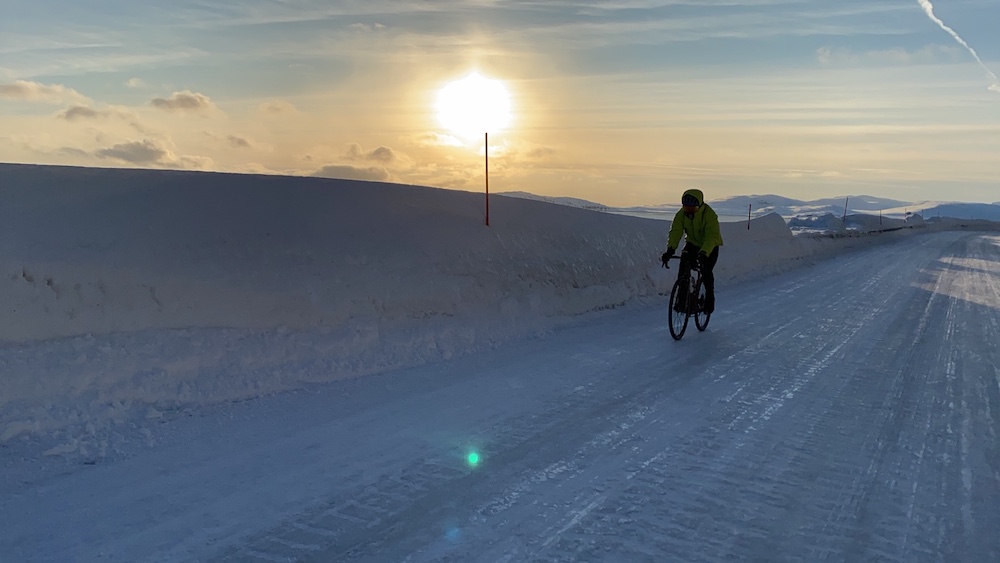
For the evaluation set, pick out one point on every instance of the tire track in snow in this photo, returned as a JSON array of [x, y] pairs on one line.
[[839, 449], [387, 511], [771, 403], [844, 514]]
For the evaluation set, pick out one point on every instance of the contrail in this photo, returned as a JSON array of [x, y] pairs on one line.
[[929, 9]]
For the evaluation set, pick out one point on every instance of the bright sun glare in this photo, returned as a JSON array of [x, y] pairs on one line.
[[473, 106]]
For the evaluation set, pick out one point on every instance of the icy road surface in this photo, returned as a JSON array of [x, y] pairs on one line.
[[845, 411]]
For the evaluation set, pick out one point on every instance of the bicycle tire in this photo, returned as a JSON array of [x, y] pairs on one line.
[[701, 317], [676, 320]]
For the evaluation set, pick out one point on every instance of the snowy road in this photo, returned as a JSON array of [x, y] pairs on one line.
[[846, 411]]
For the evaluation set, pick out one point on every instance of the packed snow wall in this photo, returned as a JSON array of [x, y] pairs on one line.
[[97, 251], [138, 293]]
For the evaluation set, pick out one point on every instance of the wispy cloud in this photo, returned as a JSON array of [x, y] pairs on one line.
[[895, 55], [186, 101], [81, 113], [661, 23], [277, 107], [367, 28], [37, 92], [238, 142]]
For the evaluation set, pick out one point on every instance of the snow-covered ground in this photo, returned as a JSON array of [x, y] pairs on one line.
[[130, 294], [183, 358]]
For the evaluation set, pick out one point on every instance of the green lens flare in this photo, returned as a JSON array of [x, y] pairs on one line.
[[472, 459]]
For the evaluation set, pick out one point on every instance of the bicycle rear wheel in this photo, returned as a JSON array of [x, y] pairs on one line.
[[678, 319], [701, 317]]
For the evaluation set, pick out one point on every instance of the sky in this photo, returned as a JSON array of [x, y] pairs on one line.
[[296, 389], [625, 103]]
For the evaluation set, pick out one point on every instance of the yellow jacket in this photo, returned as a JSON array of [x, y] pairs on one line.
[[702, 229]]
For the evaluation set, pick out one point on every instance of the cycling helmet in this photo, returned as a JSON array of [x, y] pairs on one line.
[[689, 200]]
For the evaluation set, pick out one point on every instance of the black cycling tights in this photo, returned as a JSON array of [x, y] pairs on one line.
[[708, 274]]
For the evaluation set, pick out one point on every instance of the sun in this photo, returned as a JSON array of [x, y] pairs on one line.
[[473, 106]]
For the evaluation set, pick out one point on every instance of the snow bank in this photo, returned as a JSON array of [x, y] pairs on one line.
[[131, 293]]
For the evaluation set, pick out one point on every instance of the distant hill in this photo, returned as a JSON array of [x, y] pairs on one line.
[[788, 207], [804, 212], [956, 210]]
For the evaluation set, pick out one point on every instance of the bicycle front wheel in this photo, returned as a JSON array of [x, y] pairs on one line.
[[677, 312], [701, 317]]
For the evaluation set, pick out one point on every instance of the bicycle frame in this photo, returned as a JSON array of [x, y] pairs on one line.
[[688, 282]]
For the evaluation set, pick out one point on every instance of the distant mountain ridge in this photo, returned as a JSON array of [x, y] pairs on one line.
[[733, 207]]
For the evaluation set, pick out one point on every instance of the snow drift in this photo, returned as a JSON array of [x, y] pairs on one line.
[[256, 284]]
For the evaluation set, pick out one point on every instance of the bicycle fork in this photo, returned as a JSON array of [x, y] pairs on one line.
[[691, 299]]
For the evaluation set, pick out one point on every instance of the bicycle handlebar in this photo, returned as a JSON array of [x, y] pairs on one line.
[[694, 265]]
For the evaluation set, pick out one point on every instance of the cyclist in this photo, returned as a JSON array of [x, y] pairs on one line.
[[700, 224]]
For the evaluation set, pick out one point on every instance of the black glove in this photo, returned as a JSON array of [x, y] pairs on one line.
[[667, 256], [702, 259]]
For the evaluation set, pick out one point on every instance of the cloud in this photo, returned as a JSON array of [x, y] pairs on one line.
[[136, 152], [539, 153], [135, 83], [894, 56], [186, 101], [507, 153], [347, 172], [74, 152], [366, 28], [438, 140], [797, 174], [381, 154], [78, 113], [149, 152], [38, 92], [190, 162], [238, 142], [231, 141], [394, 161], [277, 107]]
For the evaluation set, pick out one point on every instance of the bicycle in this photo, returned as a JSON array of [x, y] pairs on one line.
[[687, 298]]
